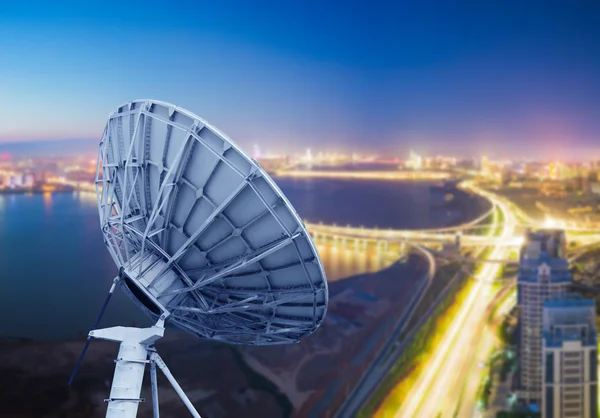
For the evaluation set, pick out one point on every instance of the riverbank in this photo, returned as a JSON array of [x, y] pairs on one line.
[[34, 375], [363, 311]]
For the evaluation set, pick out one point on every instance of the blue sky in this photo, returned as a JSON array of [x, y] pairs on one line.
[[470, 78]]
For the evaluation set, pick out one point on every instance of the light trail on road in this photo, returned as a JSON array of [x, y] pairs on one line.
[[440, 372], [450, 368]]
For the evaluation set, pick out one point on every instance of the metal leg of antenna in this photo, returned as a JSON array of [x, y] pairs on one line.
[[163, 367], [127, 381], [129, 369], [154, 389]]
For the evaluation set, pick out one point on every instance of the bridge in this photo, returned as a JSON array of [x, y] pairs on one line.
[[364, 235], [77, 185]]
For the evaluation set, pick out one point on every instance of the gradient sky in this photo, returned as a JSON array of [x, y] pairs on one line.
[[475, 78]]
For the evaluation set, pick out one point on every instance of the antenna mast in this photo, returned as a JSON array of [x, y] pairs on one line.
[[135, 352]]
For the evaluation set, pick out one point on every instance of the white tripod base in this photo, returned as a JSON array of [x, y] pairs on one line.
[[134, 354]]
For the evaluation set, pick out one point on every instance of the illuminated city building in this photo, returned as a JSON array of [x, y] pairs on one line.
[[570, 365], [543, 275], [561, 171], [415, 161], [28, 180], [309, 156], [484, 164], [14, 181]]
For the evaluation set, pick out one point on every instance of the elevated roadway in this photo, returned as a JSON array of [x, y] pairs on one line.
[[395, 236]]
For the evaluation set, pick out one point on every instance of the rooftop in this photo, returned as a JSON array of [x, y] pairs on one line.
[[570, 318], [551, 241], [559, 269], [557, 336]]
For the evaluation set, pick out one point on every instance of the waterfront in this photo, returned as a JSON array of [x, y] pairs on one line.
[[55, 270]]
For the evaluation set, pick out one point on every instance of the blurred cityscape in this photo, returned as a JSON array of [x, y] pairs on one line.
[[503, 275], [565, 191]]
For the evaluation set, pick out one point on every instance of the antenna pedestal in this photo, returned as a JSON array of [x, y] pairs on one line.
[[134, 354], [129, 367]]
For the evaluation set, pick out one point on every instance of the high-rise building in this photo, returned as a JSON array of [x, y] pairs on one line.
[[484, 164], [28, 180], [543, 275], [309, 157], [415, 161], [570, 362], [15, 180]]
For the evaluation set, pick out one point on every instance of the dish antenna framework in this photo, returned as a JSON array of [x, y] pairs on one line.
[[203, 238]]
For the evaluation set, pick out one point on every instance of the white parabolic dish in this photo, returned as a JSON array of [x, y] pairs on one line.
[[201, 233]]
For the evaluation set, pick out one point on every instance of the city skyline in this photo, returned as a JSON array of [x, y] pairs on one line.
[[473, 80]]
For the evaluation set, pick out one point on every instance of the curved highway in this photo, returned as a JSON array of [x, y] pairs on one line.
[[451, 365], [456, 347]]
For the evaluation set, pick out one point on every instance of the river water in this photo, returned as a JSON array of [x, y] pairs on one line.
[[55, 271]]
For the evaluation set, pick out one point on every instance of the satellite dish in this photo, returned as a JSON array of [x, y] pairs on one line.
[[203, 238]]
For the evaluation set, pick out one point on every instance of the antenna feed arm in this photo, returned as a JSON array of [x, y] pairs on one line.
[[145, 336]]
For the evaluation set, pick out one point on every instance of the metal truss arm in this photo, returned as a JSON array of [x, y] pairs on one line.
[[154, 382], [155, 358]]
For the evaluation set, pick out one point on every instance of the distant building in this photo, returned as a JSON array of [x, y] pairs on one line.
[[309, 156], [543, 275], [504, 176], [415, 161], [551, 241], [28, 180], [570, 362], [15, 180], [484, 163], [586, 185]]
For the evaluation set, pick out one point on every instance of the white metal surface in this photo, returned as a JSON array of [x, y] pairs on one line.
[[135, 352], [158, 361], [202, 233], [154, 383], [129, 367]]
